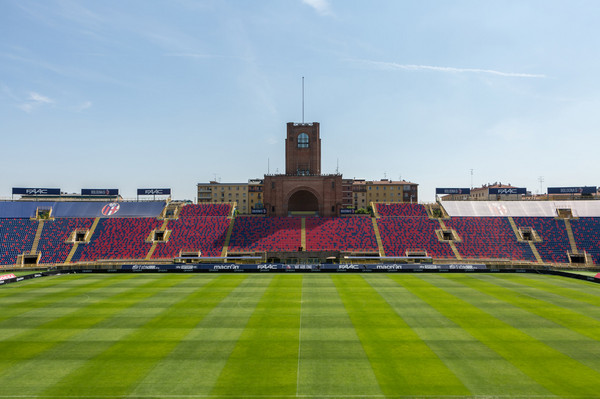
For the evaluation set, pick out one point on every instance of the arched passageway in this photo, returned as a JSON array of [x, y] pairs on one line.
[[303, 201]]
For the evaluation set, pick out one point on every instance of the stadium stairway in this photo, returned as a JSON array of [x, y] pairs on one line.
[[303, 233], [378, 235], [36, 240], [76, 245], [163, 228], [515, 229], [375, 212], [228, 236], [457, 254], [571, 236]]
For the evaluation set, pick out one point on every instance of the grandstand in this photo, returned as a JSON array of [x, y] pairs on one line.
[[200, 229], [520, 233]]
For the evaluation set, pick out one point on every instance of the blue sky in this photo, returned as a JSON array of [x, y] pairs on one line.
[[131, 94]]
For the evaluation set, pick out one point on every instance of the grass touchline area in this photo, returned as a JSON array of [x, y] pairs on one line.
[[300, 335]]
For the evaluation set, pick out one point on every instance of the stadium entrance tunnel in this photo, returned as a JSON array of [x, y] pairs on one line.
[[528, 234], [43, 213], [564, 213], [580, 258], [303, 201], [28, 259]]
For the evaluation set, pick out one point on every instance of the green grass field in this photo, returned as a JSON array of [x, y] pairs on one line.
[[300, 335]]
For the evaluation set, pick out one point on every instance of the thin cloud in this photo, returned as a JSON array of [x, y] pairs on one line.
[[83, 106], [413, 67], [34, 101], [38, 98], [26, 107], [8, 92], [69, 72], [322, 7]]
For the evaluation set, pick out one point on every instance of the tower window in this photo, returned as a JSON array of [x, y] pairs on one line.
[[303, 140]]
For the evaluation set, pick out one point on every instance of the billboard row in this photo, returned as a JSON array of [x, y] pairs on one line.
[[35, 191], [445, 191], [572, 190]]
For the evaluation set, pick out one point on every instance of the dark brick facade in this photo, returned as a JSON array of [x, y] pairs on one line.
[[303, 149], [285, 193]]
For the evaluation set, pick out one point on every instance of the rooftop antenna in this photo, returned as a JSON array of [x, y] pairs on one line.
[[337, 167], [268, 166], [471, 178], [302, 99]]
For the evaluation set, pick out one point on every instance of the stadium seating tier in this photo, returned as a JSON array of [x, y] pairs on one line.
[[203, 227], [16, 237], [204, 233], [401, 210], [54, 234], [265, 234], [555, 242], [488, 238], [353, 234], [586, 232], [197, 210], [400, 234], [119, 238]]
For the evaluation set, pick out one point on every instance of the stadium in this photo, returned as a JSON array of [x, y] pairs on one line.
[[106, 298]]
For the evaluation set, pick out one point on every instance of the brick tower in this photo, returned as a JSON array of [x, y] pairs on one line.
[[303, 149], [303, 189]]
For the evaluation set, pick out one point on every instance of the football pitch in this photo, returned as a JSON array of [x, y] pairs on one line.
[[300, 335]]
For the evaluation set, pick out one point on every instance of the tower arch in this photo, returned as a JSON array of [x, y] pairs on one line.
[[303, 199]]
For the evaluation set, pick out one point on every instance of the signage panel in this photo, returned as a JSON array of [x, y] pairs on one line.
[[278, 267], [572, 190], [466, 191], [507, 190], [100, 191], [35, 191], [154, 191]]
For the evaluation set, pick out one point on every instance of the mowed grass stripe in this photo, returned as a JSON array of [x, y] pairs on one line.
[[193, 367], [402, 362], [332, 360], [265, 359], [571, 287], [543, 321], [28, 338], [557, 372], [529, 301], [56, 348], [24, 290], [26, 300], [38, 286], [537, 286], [72, 311], [118, 369], [481, 370]]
